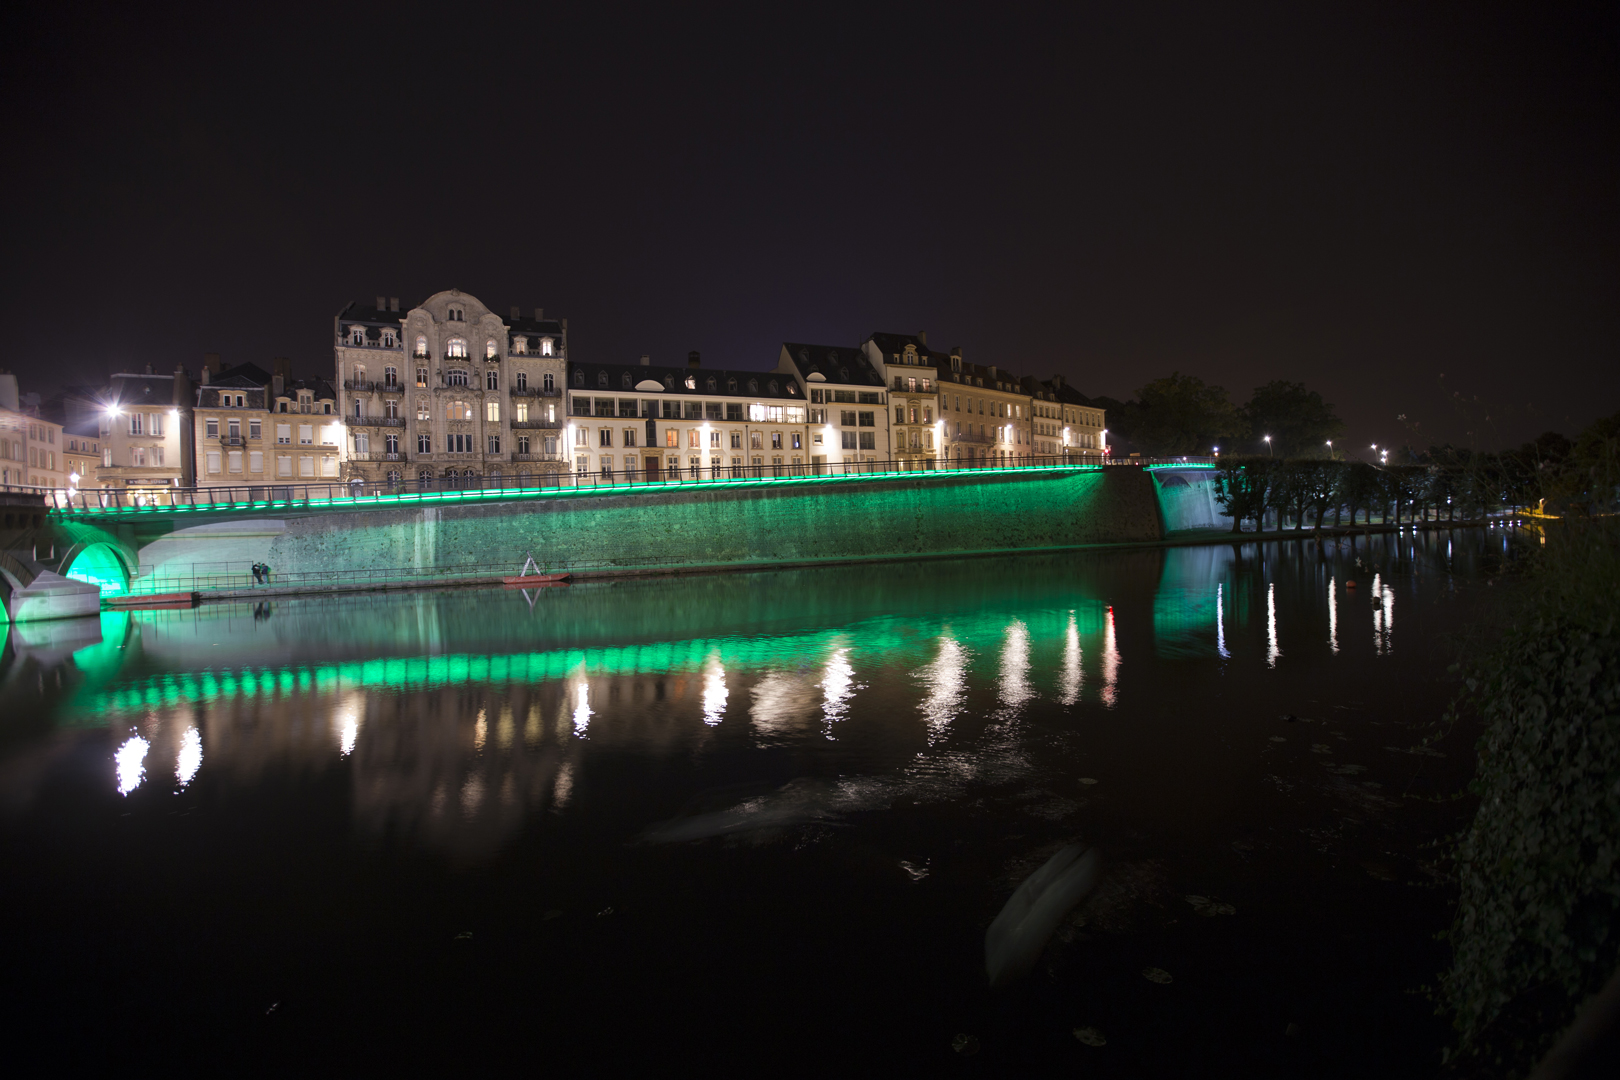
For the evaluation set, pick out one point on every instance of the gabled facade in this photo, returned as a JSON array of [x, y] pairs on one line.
[[848, 418], [643, 421], [986, 415], [910, 372], [448, 392]]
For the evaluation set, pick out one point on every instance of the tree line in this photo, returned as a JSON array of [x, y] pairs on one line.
[[1553, 473], [1182, 415]]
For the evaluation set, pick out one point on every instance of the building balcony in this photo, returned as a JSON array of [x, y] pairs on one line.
[[537, 425], [534, 391], [374, 421], [980, 440], [519, 458], [372, 455]]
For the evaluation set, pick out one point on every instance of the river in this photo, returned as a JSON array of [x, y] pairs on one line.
[[750, 822]]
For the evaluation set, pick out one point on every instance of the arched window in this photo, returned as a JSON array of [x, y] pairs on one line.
[[424, 477], [421, 345], [456, 348], [359, 375], [691, 382], [490, 351], [393, 478], [456, 314]]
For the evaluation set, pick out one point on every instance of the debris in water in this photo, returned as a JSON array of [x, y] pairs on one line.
[[1321, 748], [1087, 780], [1015, 940], [465, 935], [604, 912], [1158, 975], [1090, 1036], [915, 872], [966, 1045]]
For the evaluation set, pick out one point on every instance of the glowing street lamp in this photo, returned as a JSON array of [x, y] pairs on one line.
[[1269, 451]]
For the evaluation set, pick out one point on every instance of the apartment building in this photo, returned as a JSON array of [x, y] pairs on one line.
[[910, 372], [848, 417], [1083, 430], [230, 426], [985, 415], [449, 393], [645, 421], [145, 436], [31, 445]]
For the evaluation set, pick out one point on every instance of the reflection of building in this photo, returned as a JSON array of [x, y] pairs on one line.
[[448, 391], [31, 445], [146, 444], [911, 373], [638, 420], [848, 421]]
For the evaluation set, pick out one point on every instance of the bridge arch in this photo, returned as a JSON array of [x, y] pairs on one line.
[[100, 564]]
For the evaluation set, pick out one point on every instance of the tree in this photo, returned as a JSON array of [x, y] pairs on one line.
[[1182, 415], [1358, 487], [1299, 422], [1240, 488]]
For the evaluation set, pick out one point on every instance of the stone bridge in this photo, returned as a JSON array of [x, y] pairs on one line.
[[344, 542]]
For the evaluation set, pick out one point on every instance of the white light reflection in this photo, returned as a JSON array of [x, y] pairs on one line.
[[946, 680], [1272, 651], [128, 759], [190, 757], [714, 690], [1073, 676], [837, 687], [1220, 623], [582, 707], [1383, 616], [1015, 688], [1110, 661], [1333, 616]]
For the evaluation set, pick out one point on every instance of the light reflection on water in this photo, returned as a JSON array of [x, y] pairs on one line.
[[469, 708]]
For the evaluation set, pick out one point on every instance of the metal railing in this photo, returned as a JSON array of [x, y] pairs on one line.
[[374, 421], [546, 425]]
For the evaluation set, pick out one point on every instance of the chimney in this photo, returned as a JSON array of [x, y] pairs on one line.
[[694, 359], [539, 314], [1057, 381], [205, 373], [515, 310], [382, 303], [993, 371], [922, 336], [646, 361], [282, 366], [393, 303]]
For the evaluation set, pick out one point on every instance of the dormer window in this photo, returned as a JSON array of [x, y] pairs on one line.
[[731, 384], [691, 382], [601, 380], [753, 386], [545, 346], [357, 335], [456, 348], [520, 345], [579, 378], [624, 380], [793, 389], [710, 383], [772, 385], [388, 339], [669, 382], [843, 374]]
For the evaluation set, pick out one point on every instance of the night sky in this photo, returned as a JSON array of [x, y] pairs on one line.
[[1391, 205]]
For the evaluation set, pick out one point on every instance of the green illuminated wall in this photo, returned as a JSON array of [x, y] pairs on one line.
[[99, 564], [1187, 499]]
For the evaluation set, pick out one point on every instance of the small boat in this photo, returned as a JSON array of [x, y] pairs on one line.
[[154, 600], [525, 581]]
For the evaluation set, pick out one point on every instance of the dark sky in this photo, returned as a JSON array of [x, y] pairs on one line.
[[1390, 204]]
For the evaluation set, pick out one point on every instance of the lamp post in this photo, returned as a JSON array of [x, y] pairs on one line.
[[1330, 449], [1269, 451]]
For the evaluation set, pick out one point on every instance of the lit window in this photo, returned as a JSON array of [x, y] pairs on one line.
[[421, 345], [492, 411], [545, 346], [456, 348], [489, 350]]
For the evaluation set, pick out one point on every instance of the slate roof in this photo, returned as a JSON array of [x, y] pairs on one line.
[[734, 384], [836, 363], [141, 390], [892, 344], [242, 376]]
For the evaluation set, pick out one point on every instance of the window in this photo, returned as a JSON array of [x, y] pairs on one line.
[[458, 410], [154, 421], [306, 435], [714, 440], [899, 414], [490, 352], [357, 336], [234, 429], [848, 439], [455, 314], [421, 345], [388, 339], [736, 440], [137, 424], [607, 464], [604, 437], [212, 427], [492, 411], [523, 444], [391, 444], [494, 443], [213, 461], [283, 465], [421, 376], [390, 377], [694, 438], [671, 439], [868, 419], [455, 378], [547, 381], [581, 437], [545, 346], [520, 345], [627, 407], [846, 417], [456, 348], [797, 441], [283, 433], [234, 461], [391, 409], [256, 461], [362, 442], [522, 380], [776, 440], [357, 412], [756, 440], [422, 409], [424, 443], [520, 412], [629, 436], [306, 467], [254, 430], [868, 440]]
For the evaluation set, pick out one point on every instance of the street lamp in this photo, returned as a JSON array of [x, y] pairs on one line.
[[1330, 449], [1269, 451]]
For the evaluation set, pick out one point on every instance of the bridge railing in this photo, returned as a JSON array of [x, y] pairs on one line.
[[359, 493]]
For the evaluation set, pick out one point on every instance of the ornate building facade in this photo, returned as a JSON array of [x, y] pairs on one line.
[[448, 393]]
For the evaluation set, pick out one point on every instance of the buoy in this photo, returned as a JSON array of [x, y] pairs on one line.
[[1350, 584]]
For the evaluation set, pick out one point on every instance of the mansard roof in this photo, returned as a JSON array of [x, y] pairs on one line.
[[242, 376], [356, 312], [892, 344], [1059, 389], [835, 363], [727, 383]]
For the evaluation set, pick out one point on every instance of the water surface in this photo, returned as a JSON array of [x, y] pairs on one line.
[[749, 822]]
